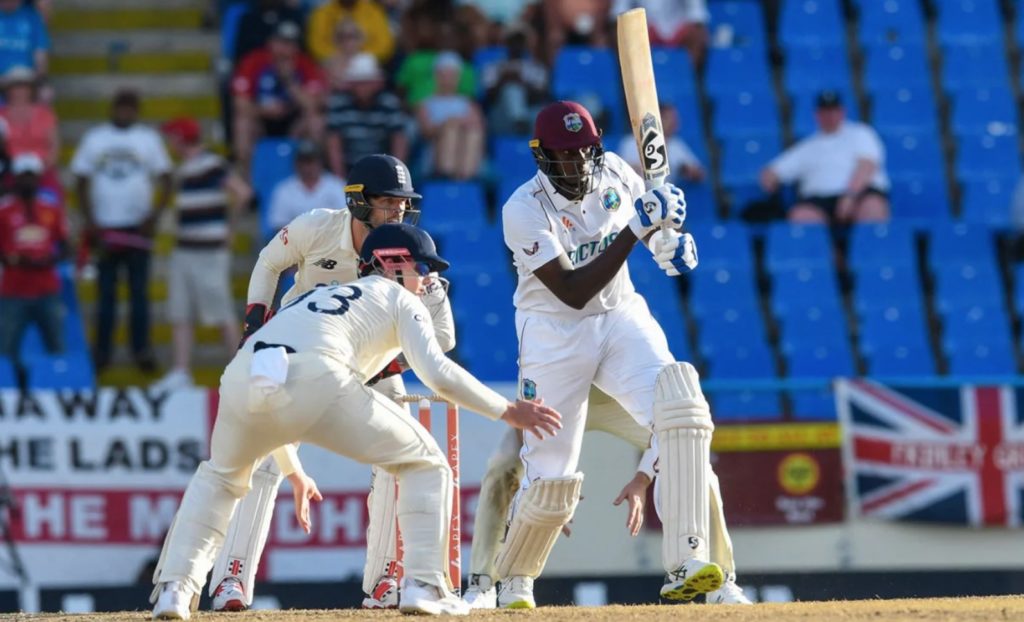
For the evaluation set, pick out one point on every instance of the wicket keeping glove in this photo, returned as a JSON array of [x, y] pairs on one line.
[[676, 253], [666, 203]]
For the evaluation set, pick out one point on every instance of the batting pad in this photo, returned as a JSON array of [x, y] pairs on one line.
[[381, 538], [497, 490], [247, 534], [682, 422], [545, 507]]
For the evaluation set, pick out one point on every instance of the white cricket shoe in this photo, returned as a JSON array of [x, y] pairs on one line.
[[692, 578], [384, 595], [481, 593], [423, 598], [516, 592], [173, 603], [728, 594], [229, 596]]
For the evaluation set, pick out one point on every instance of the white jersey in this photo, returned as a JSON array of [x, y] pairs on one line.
[[540, 225], [319, 244], [364, 325]]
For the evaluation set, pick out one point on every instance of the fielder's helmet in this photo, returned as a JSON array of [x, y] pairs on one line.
[[385, 242], [379, 175], [567, 125]]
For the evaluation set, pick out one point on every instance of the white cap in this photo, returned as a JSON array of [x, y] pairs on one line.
[[27, 163], [448, 60], [19, 74], [362, 68]]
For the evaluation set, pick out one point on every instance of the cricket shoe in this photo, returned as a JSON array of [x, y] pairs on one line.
[[728, 594], [229, 596], [516, 593], [384, 595], [173, 603], [417, 597], [481, 593], [692, 578]]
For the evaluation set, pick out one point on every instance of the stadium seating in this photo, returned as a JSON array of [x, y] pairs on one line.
[[789, 246], [914, 156], [983, 110], [486, 338], [881, 244], [745, 405], [72, 370], [738, 23], [732, 69], [968, 22], [810, 22], [743, 158], [974, 66], [980, 157], [957, 244], [896, 66], [272, 162], [921, 199], [893, 22], [904, 110], [987, 201], [573, 78], [792, 289], [819, 361], [453, 205]]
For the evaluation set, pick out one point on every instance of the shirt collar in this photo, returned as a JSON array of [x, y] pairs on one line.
[[559, 201]]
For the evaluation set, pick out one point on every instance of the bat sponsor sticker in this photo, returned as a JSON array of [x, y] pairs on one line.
[[652, 148]]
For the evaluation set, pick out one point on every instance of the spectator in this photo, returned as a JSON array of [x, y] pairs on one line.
[[278, 91], [114, 168], [33, 238], [309, 188], [685, 165], [415, 78], [574, 22], [364, 118], [31, 125], [24, 40], [515, 88], [372, 19], [260, 22], [348, 43], [209, 198], [452, 123], [673, 23], [839, 170]]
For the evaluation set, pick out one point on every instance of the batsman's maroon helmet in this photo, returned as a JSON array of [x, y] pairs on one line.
[[568, 126]]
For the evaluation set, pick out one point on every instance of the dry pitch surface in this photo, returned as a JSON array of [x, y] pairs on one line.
[[953, 609]]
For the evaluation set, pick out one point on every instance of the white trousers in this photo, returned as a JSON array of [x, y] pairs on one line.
[[321, 403]]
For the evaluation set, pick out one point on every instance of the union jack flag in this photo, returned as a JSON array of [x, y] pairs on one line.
[[938, 455]]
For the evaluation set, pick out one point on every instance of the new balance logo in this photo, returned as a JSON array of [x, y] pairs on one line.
[[326, 264]]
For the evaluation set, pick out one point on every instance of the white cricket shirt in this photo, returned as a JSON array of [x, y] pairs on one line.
[[292, 198], [822, 164], [540, 224]]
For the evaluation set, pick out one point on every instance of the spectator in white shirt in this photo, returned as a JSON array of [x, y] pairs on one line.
[[839, 170], [309, 188], [686, 167], [114, 168]]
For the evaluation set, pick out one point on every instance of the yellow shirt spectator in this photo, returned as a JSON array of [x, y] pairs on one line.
[[368, 14]]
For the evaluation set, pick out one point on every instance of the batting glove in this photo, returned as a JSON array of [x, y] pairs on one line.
[[666, 203], [675, 253]]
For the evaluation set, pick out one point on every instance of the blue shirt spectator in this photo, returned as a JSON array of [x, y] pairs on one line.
[[24, 40]]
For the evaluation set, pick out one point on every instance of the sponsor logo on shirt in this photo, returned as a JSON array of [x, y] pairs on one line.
[[610, 199], [588, 250], [325, 263], [567, 223], [530, 252]]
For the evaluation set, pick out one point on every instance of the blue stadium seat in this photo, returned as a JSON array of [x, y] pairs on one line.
[[743, 158], [896, 66], [982, 359], [887, 285], [819, 360], [987, 201], [734, 69], [904, 110], [229, 22], [913, 156], [966, 326], [701, 205], [959, 243], [966, 22], [813, 405], [513, 160], [922, 199], [974, 66], [811, 69], [885, 326], [894, 360], [72, 370], [673, 73], [272, 162], [804, 105], [482, 305], [990, 110], [745, 405], [485, 57], [480, 249], [966, 284], [715, 289], [452, 205], [8, 380], [573, 76], [1018, 288], [789, 246], [741, 22], [738, 360], [893, 22], [723, 245], [809, 22], [881, 244], [982, 156], [803, 286], [819, 322], [663, 300], [730, 323]]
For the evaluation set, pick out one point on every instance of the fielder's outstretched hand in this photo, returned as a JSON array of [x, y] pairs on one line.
[[303, 489], [635, 494], [666, 203], [533, 416]]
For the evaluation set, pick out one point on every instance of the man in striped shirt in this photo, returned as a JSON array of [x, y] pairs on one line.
[[209, 197]]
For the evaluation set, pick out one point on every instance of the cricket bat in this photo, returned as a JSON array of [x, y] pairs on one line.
[[642, 97]]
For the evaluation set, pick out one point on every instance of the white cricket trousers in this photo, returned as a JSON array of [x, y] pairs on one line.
[[323, 404], [621, 352]]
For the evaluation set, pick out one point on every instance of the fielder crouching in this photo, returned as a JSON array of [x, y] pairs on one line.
[[300, 378]]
